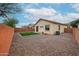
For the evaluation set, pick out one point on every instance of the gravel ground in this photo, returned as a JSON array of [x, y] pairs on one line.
[[44, 45]]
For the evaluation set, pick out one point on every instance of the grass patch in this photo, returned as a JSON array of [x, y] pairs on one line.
[[28, 33]]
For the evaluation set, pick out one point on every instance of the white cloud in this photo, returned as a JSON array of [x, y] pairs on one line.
[[70, 17], [73, 15], [32, 5], [61, 18], [46, 13], [21, 24], [51, 14], [41, 12], [75, 6]]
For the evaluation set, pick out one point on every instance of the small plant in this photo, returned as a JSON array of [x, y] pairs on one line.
[[28, 33], [74, 23], [11, 22]]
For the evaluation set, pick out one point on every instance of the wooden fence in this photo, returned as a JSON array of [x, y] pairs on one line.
[[24, 30], [68, 30], [76, 34]]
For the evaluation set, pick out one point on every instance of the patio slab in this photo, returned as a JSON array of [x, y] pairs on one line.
[[44, 45]]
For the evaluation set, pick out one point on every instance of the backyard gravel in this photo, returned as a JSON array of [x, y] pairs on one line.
[[44, 45]]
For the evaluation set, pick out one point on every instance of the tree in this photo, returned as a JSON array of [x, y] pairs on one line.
[[11, 22], [9, 8], [75, 23]]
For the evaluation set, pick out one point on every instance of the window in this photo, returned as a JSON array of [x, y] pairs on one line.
[[47, 27], [41, 26]]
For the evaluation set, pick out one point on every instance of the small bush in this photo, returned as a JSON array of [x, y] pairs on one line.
[[11, 22], [27, 33]]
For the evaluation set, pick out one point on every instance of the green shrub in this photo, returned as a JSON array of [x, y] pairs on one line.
[[11, 22], [75, 23], [27, 33]]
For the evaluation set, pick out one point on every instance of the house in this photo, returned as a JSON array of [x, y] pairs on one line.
[[49, 27], [26, 28], [29, 26]]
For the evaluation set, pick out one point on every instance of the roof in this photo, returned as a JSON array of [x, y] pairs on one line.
[[50, 22]]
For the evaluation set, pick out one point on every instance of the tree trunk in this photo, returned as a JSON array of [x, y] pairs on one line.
[[6, 16]]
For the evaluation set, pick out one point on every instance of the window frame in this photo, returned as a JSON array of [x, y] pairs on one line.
[[47, 27], [41, 26]]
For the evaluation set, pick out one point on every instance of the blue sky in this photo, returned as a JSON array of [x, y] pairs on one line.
[[59, 12]]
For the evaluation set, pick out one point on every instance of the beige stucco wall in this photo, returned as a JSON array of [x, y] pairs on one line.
[[62, 28], [53, 27]]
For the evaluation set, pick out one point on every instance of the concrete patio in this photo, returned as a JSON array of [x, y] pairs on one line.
[[44, 45]]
